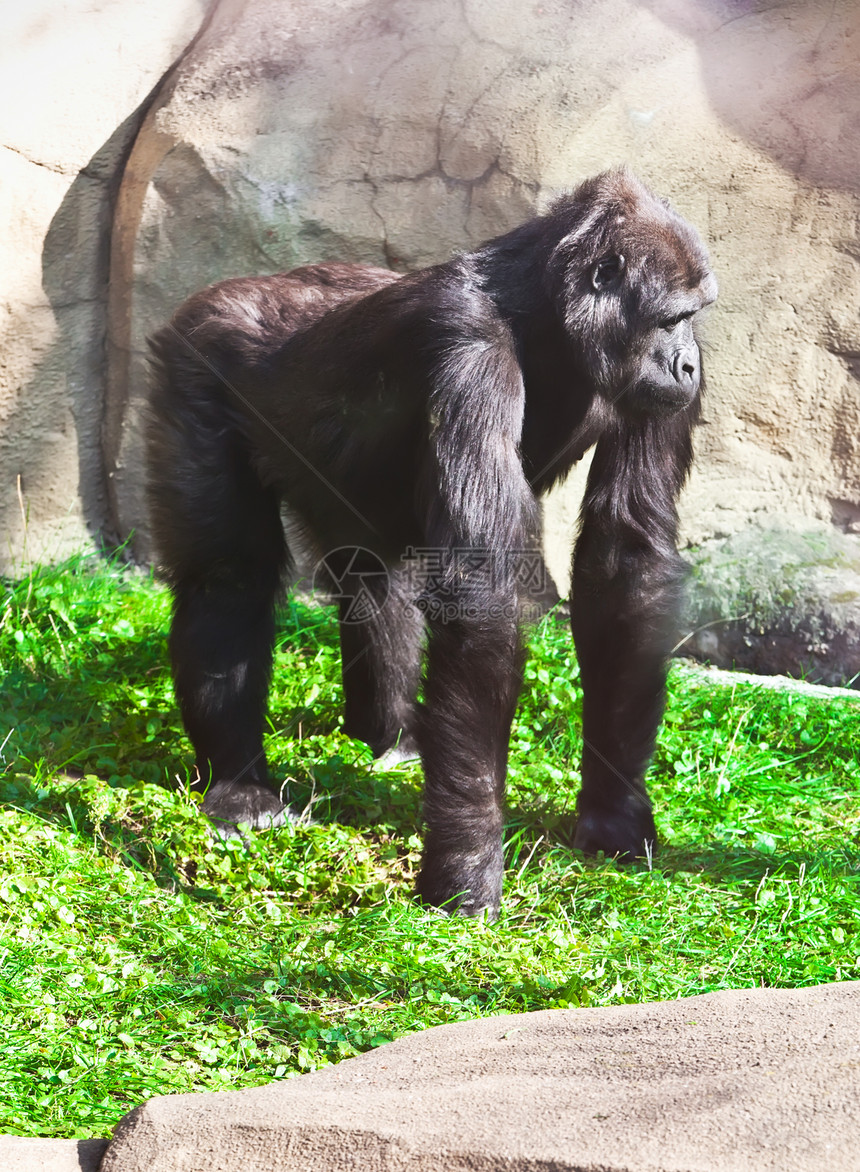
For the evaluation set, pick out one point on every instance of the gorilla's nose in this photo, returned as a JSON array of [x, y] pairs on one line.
[[685, 368]]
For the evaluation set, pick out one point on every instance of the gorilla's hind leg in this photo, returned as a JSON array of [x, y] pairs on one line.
[[222, 546], [381, 666], [220, 645]]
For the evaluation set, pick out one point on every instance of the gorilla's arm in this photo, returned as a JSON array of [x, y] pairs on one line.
[[479, 508], [627, 579]]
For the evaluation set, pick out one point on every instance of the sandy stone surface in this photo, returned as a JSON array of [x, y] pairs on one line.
[[393, 133], [18, 1154], [73, 77], [740, 1081]]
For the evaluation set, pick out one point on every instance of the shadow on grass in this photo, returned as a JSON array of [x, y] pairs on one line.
[[748, 865], [53, 710], [530, 832]]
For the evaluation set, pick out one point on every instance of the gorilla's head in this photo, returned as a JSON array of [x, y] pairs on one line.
[[628, 277]]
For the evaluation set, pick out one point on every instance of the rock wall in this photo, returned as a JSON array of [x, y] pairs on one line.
[[72, 80], [394, 131]]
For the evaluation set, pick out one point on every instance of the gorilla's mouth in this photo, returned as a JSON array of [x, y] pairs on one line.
[[650, 397]]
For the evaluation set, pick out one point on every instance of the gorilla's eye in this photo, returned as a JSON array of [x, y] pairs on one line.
[[607, 271], [669, 323]]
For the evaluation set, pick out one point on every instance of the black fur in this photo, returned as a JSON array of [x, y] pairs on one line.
[[428, 412]]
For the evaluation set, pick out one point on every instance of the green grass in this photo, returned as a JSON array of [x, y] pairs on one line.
[[139, 957]]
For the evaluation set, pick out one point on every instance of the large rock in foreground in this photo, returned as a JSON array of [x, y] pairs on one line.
[[23, 1154], [742, 1081]]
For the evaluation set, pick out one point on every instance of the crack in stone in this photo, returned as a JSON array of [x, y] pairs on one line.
[[473, 33], [67, 173]]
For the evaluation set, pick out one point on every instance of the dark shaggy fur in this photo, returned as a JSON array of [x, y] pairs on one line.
[[427, 412]]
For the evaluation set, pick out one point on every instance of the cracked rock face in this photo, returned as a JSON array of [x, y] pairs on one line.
[[72, 78], [395, 131]]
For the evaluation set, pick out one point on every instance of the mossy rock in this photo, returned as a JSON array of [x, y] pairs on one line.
[[777, 601]]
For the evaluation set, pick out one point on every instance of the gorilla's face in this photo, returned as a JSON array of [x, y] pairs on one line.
[[669, 364], [633, 276]]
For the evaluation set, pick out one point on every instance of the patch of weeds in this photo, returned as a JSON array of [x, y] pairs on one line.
[[139, 956]]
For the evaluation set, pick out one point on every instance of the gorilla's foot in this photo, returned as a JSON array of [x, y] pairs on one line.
[[626, 833], [230, 805], [462, 882], [405, 750]]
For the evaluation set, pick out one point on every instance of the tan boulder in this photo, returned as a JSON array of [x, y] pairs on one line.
[[751, 1080], [22, 1154]]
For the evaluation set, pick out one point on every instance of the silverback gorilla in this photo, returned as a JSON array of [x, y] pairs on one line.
[[392, 413]]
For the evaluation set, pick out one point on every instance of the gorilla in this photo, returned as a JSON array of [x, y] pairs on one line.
[[398, 416]]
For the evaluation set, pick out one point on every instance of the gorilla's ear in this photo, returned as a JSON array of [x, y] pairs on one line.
[[607, 272]]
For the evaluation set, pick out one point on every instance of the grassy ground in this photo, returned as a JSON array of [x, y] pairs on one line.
[[139, 957]]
